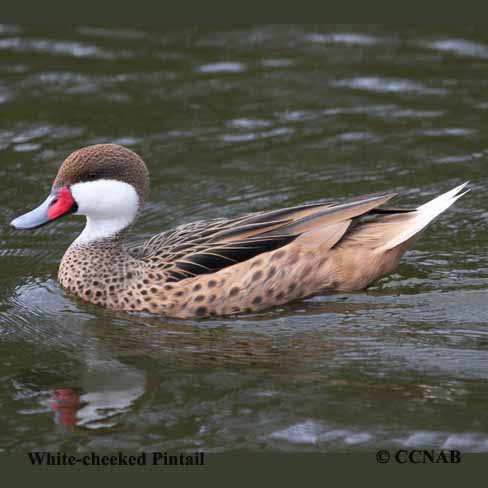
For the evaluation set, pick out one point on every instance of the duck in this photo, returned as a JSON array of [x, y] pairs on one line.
[[221, 266]]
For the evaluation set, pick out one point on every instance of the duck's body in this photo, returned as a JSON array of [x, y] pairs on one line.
[[221, 266]]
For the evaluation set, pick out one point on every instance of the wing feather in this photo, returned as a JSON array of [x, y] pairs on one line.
[[204, 247]]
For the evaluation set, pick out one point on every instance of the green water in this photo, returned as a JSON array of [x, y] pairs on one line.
[[233, 120]]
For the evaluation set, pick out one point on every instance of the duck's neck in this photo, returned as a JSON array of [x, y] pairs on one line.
[[102, 229]]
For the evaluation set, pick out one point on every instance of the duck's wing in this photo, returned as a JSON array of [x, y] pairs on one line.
[[204, 247]]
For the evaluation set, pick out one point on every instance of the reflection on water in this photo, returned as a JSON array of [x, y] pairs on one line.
[[232, 120], [110, 389]]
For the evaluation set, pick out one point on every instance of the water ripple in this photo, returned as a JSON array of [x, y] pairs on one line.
[[66, 48], [222, 67], [449, 132], [277, 63], [316, 433], [388, 85], [461, 47], [344, 38]]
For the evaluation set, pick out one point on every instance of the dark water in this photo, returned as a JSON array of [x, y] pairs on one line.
[[232, 121]]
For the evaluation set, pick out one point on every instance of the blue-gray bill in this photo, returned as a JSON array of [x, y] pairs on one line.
[[59, 202], [35, 218]]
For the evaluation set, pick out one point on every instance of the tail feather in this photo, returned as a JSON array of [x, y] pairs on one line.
[[394, 229], [411, 224]]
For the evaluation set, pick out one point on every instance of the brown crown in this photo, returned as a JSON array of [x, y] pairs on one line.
[[105, 161]]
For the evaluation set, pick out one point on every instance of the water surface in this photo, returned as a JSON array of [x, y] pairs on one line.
[[233, 120]]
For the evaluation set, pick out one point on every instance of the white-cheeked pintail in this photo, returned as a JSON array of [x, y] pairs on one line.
[[220, 266]]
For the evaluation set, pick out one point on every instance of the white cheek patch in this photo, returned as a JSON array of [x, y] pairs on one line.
[[109, 206]]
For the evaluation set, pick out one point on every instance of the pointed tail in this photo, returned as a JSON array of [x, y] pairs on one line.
[[411, 224]]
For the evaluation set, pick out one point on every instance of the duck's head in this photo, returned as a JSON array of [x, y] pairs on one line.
[[107, 183]]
